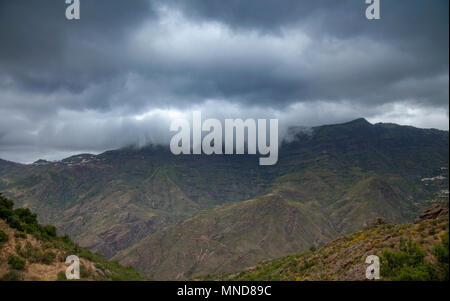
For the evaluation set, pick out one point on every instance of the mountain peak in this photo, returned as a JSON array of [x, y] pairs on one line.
[[359, 121], [41, 162]]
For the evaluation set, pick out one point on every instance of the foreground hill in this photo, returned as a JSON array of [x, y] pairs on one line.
[[29, 251], [329, 181], [411, 251]]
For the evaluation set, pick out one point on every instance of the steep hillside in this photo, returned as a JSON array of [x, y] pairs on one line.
[[111, 201], [330, 197], [411, 251], [31, 252], [345, 174], [280, 223], [226, 238]]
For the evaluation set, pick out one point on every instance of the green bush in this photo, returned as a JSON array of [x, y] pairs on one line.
[[440, 251], [26, 216], [14, 222], [423, 272], [19, 234], [61, 276], [23, 220], [408, 264], [84, 272], [16, 262], [49, 231], [28, 252], [48, 257], [3, 237], [12, 276], [18, 248], [6, 207]]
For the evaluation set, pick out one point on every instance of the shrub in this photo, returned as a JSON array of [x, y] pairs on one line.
[[61, 276], [16, 262], [11, 276], [18, 248], [3, 237], [48, 257], [26, 216], [23, 220], [28, 252], [409, 262], [440, 251], [84, 272], [423, 272], [49, 230], [14, 222], [19, 234], [35, 255], [5, 208]]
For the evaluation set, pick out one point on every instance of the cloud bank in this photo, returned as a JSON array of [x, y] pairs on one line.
[[120, 74]]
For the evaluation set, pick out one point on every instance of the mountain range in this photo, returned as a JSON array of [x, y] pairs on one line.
[[177, 217]]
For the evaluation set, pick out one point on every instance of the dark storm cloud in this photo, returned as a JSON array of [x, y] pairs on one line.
[[44, 51], [340, 18], [423, 24], [79, 85], [416, 31]]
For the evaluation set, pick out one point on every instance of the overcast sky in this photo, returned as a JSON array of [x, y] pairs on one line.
[[119, 74]]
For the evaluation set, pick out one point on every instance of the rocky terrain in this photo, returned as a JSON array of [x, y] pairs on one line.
[[344, 259]]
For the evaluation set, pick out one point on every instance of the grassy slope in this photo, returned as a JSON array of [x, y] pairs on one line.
[[29, 251]]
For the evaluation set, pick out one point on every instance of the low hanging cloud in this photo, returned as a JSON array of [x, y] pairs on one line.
[[120, 74]]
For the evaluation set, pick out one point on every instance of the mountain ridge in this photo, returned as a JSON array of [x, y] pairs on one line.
[[335, 176]]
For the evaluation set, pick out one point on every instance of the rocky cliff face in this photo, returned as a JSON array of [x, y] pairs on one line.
[[435, 211]]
